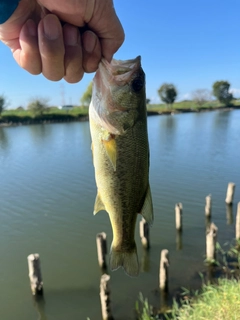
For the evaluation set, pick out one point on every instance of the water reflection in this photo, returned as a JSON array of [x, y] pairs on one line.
[[229, 214], [179, 240], [3, 138], [40, 132], [222, 118], [39, 304], [211, 273], [219, 134], [168, 122], [145, 261], [163, 301], [167, 129]]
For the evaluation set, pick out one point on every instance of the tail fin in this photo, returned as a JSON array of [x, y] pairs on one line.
[[125, 259]]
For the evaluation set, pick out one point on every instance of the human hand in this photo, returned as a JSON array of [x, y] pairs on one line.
[[40, 44]]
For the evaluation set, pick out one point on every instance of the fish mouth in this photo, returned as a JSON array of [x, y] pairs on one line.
[[120, 71]]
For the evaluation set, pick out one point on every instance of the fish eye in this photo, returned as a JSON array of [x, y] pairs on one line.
[[137, 84]]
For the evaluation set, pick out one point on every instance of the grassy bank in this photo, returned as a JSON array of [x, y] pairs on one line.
[[189, 106], [217, 300], [53, 114], [50, 115]]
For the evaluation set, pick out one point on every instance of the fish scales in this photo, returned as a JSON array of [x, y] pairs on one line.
[[121, 160]]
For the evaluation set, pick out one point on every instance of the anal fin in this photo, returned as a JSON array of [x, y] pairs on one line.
[[98, 206]]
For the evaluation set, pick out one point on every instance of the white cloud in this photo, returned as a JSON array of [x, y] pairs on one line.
[[235, 92], [154, 99], [185, 96]]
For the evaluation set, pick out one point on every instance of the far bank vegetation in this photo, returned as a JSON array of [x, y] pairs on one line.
[[39, 110]]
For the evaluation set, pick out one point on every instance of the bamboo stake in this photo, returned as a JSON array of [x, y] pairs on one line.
[[35, 275], [104, 297], [163, 272], [238, 222], [230, 193], [178, 216], [101, 240], [144, 233], [208, 206], [211, 239]]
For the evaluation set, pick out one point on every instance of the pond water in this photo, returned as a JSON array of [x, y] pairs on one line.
[[47, 192]]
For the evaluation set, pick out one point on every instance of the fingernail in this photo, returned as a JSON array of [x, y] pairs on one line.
[[31, 27], [71, 37], [51, 27], [89, 41]]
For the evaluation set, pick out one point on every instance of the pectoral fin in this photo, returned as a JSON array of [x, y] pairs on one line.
[[111, 149], [98, 206], [147, 209]]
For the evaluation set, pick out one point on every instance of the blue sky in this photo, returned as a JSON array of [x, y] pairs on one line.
[[188, 43]]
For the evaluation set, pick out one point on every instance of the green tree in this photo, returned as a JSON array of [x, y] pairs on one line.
[[2, 104], [148, 101], [87, 96], [167, 93], [38, 106], [221, 92]]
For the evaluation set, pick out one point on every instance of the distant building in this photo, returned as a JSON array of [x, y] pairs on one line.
[[66, 107]]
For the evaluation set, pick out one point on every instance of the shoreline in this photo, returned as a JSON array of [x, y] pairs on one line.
[[43, 121], [83, 118], [191, 110]]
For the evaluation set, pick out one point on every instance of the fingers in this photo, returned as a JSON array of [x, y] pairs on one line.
[[107, 27], [57, 51], [91, 51], [112, 42], [113, 39], [40, 44], [73, 54], [51, 47], [61, 51], [27, 53]]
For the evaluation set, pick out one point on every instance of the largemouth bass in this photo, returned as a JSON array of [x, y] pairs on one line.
[[118, 125]]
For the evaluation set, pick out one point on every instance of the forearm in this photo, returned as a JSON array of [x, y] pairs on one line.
[[7, 7]]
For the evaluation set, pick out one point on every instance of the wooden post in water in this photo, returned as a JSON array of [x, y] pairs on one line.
[[208, 206], [211, 239], [105, 297], [230, 193], [35, 275], [238, 222], [178, 216], [163, 272], [101, 240], [144, 233]]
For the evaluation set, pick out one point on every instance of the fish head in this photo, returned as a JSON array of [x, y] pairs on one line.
[[118, 97]]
